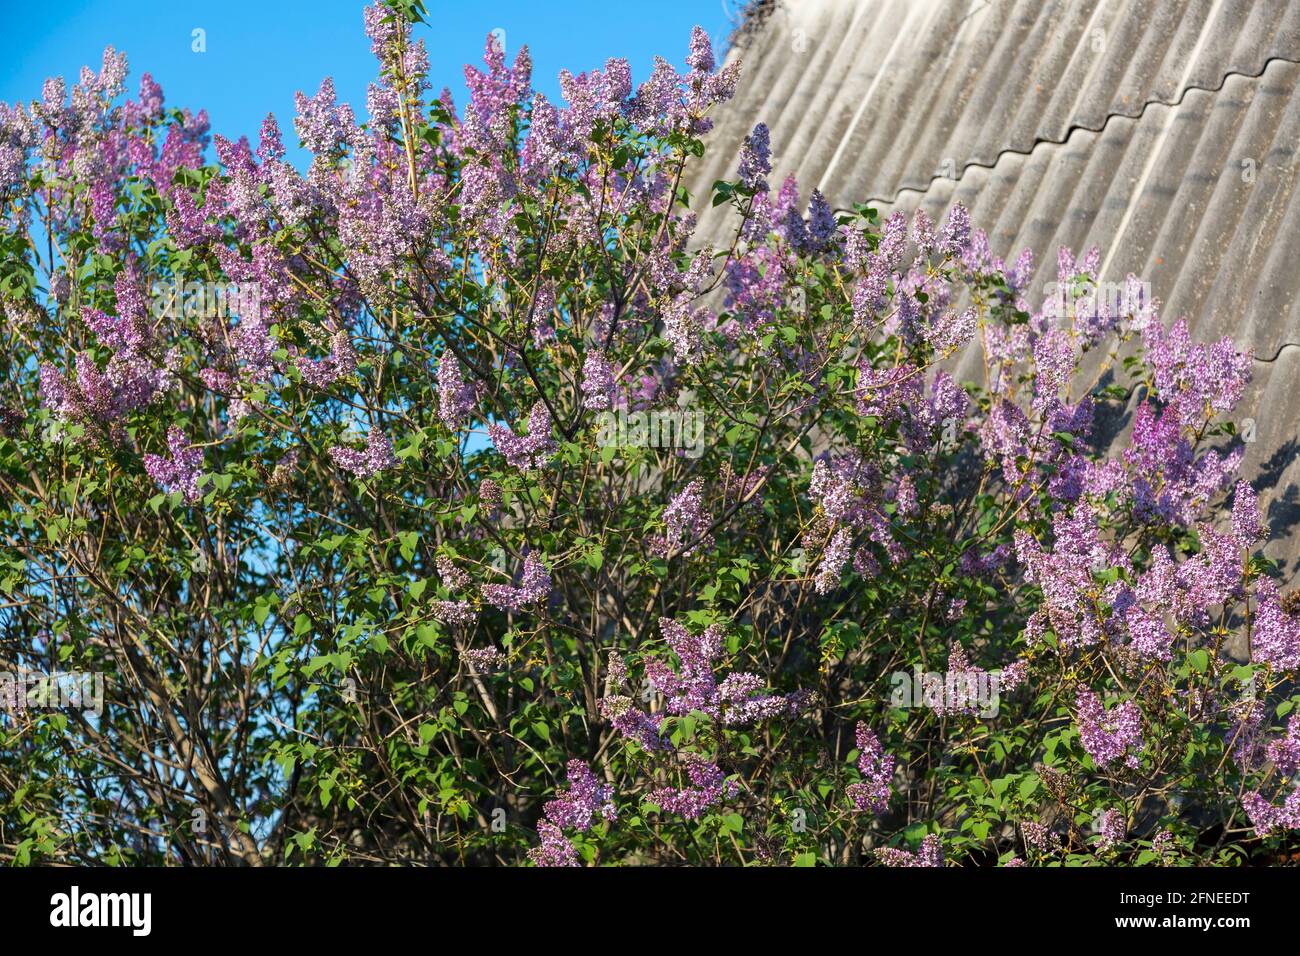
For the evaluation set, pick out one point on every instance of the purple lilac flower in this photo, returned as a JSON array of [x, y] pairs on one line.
[[530, 451], [597, 381], [633, 723], [1265, 817], [700, 57], [893, 241], [946, 403], [686, 523], [1246, 524], [178, 470], [972, 562], [923, 233], [1022, 271], [377, 456], [1169, 482], [534, 586], [341, 361], [1284, 752], [710, 786], [615, 671], [585, 798], [555, 848], [113, 332], [455, 397], [756, 158], [833, 560], [321, 123], [454, 612], [954, 238], [575, 808], [1054, 363], [1276, 640], [848, 490], [745, 700], [484, 658], [594, 96], [905, 499], [1148, 633], [547, 146], [1192, 378], [270, 145], [1038, 836], [886, 393], [1109, 736], [541, 314], [695, 688], [147, 110], [1065, 573], [976, 257], [453, 577], [857, 253], [740, 699], [951, 331], [877, 769], [821, 220], [489, 493], [106, 396], [958, 691], [930, 853], [1112, 828]]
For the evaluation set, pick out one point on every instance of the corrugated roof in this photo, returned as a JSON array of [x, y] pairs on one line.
[[1165, 133]]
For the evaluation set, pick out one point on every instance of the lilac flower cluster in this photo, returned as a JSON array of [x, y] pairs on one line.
[[849, 492], [103, 396], [529, 451], [575, 809], [1112, 828], [597, 381], [455, 396], [930, 853], [378, 455], [709, 786], [624, 716], [686, 524], [1109, 736], [179, 469], [342, 360], [740, 699], [961, 685], [454, 612], [484, 658], [695, 688], [756, 158], [534, 587], [877, 769], [1039, 836], [1284, 752], [1265, 817], [1276, 641]]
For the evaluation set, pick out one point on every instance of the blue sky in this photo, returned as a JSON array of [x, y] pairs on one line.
[[259, 53]]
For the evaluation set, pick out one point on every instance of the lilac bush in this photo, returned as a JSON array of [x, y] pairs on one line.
[[374, 490]]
